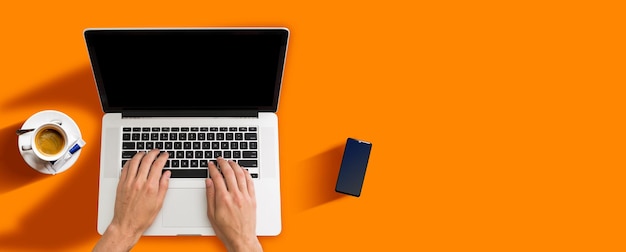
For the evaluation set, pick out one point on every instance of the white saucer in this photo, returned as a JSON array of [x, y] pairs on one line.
[[37, 119]]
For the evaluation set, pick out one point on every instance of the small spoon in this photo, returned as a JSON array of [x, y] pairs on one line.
[[22, 131]]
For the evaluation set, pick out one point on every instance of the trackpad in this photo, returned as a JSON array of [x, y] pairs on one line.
[[185, 208]]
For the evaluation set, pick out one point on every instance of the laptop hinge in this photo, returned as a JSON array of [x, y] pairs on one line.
[[191, 113]]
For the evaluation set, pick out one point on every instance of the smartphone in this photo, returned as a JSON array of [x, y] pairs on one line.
[[353, 166]]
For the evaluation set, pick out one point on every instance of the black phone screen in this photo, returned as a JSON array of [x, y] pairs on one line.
[[353, 166]]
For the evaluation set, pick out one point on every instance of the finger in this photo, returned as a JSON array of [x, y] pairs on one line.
[[229, 175], [124, 172], [239, 175], [216, 177], [210, 199], [146, 163], [250, 184], [157, 167], [134, 166], [163, 185], [122, 183]]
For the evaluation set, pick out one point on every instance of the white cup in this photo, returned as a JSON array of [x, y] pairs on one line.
[[49, 141]]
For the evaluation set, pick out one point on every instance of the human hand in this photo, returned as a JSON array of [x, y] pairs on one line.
[[232, 206], [140, 194]]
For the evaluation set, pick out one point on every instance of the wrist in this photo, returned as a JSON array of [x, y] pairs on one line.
[[116, 238], [246, 245]]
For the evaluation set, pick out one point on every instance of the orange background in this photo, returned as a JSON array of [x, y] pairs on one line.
[[497, 125]]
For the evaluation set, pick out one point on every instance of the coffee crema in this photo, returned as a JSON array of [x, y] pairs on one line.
[[49, 141]]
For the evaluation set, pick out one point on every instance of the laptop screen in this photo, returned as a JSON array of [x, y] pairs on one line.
[[188, 69]]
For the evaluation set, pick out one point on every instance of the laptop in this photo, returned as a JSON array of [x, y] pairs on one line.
[[197, 94]]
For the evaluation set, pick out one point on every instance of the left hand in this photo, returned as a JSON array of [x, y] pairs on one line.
[[140, 194], [141, 191]]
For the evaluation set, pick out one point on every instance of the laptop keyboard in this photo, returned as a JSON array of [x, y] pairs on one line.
[[191, 148]]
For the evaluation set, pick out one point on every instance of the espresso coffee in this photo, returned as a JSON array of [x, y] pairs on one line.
[[49, 141]]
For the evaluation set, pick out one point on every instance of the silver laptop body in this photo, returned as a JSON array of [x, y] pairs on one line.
[[198, 94]]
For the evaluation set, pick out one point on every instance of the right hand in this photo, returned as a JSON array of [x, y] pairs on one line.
[[232, 206]]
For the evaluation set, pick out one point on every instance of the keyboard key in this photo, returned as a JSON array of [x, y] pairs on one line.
[[188, 154], [175, 163], [208, 154], [234, 145], [223, 128], [163, 136], [172, 153], [182, 136], [198, 154], [254, 175], [155, 129], [128, 154], [195, 128], [227, 154], [140, 146], [184, 129], [154, 136], [193, 163], [136, 129], [175, 129], [145, 129], [224, 146], [243, 145], [145, 136], [184, 163], [187, 145], [211, 136], [204, 163], [252, 129], [204, 128], [217, 154], [188, 173], [238, 136], [124, 162], [167, 163], [229, 136], [215, 145], [149, 145], [191, 136], [249, 154], [213, 129], [220, 136], [196, 145], [252, 145], [243, 129], [158, 145], [178, 145], [168, 145], [126, 136], [201, 136], [180, 154], [236, 154], [247, 163], [206, 145], [250, 136], [232, 129], [173, 136], [136, 136], [165, 129], [126, 129]]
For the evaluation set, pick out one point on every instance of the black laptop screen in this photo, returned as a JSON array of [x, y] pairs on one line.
[[192, 69]]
